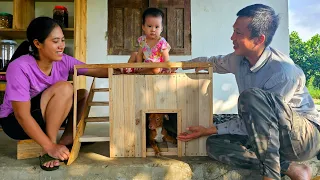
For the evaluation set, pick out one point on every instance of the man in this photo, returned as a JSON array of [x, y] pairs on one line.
[[278, 121]]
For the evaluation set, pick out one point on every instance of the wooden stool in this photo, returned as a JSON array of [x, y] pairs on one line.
[[28, 148]]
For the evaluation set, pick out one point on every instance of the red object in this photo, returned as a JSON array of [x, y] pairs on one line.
[[2, 77], [127, 70], [61, 8]]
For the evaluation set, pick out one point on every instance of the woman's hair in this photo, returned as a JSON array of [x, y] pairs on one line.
[[39, 28], [154, 12]]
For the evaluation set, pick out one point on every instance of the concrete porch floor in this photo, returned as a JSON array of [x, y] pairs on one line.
[[94, 163]]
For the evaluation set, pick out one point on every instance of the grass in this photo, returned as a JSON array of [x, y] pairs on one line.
[[315, 94]]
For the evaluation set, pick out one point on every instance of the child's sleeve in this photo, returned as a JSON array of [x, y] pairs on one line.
[[165, 45]]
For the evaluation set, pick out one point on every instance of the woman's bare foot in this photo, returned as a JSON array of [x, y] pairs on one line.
[[299, 172], [50, 163]]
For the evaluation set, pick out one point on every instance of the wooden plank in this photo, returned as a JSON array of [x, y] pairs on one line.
[[28, 149], [87, 138], [150, 92], [22, 16], [79, 129], [101, 90], [205, 109], [192, 111], [119, 27], [111, 117], [186, 65], [75, 102], [22, 33], [140, 103], [99, 103], [129, 116], [179, 17], [97, 119], [143, 136], [182, 104], [80, 34], [165, 91], [117, 143], [179, 130]]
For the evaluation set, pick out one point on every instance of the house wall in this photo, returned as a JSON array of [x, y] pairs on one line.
[[211, 27]]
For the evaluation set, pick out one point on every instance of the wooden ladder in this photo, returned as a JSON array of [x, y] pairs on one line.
[[79, 129]]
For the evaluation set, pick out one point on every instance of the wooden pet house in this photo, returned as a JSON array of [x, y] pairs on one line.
[[132, 96]]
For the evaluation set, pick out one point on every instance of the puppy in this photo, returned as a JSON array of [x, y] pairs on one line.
[[157, 133]]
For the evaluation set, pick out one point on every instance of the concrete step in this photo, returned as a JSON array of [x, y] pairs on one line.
[[94, 163]]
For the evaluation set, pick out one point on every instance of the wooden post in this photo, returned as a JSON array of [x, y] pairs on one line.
[[23, 13], [80, 35]]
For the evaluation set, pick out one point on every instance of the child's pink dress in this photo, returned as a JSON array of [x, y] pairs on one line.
[[153, 54]]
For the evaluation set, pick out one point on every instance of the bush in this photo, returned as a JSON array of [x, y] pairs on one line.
[[307, 56]]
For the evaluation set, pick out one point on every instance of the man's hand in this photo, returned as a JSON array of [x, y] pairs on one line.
[[195, 132]]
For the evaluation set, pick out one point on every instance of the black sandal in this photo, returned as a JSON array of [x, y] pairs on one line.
[[46, 158]]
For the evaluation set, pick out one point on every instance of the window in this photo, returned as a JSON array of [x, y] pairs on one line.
[[124, 25]]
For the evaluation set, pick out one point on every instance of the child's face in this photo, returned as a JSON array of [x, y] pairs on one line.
[[152, 27]]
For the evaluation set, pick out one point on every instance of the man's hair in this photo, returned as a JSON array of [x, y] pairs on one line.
[[264, 21], [154, 12]]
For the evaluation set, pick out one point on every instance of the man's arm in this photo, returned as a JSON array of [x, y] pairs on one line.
[[235, 126], [221, 64]]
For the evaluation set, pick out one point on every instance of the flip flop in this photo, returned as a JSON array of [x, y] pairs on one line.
[[44, 159]]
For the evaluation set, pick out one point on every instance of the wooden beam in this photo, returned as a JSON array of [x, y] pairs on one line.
[[186, 65], [23, 13], [80, 35]]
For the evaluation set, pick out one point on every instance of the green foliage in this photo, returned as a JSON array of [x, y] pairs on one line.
[[307, 56], [314, 92]]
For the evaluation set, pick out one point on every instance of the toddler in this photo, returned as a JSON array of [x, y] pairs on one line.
[[152, 47]]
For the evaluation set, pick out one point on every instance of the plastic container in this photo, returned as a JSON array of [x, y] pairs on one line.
[[60, 14], [7, 49], [5, 20]]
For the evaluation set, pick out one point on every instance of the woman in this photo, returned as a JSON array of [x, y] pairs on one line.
[[38, 97]]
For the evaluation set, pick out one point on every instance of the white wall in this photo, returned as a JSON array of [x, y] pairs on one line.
[[211, 27]]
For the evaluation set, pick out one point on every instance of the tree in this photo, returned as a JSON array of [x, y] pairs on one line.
[[307, 56]]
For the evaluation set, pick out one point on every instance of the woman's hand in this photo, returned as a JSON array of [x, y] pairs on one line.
[[58, 151], [196, 132]]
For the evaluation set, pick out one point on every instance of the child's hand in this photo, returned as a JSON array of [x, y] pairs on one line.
[[200, 69], [173, 70]]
